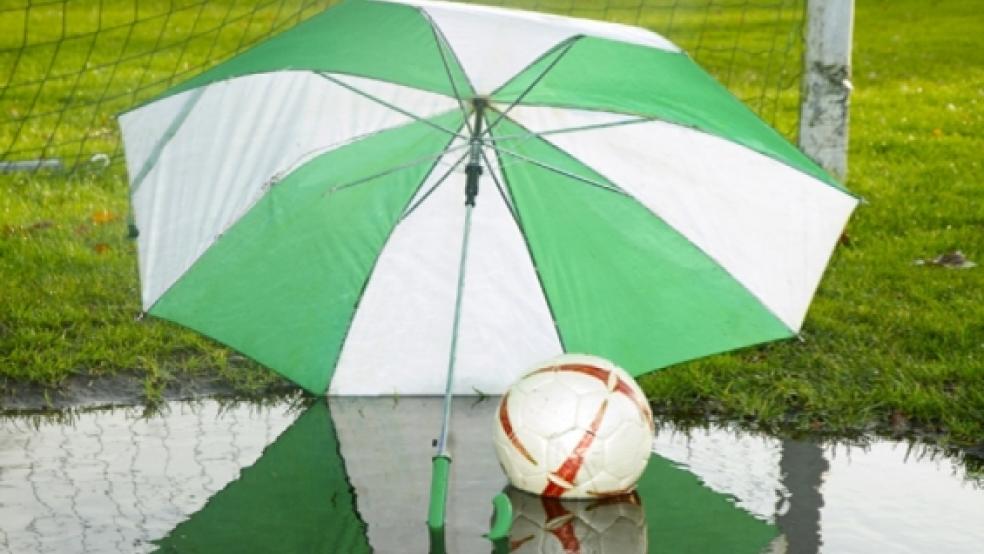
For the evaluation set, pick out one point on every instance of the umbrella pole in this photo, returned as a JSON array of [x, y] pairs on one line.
[[441, 463]]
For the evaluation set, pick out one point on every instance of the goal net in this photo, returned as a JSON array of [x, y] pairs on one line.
[[67, 67]]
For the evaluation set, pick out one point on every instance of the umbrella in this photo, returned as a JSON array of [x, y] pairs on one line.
[[411, 197]]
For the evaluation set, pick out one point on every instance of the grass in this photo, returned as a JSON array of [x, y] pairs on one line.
[[68, 282], [888, 345]]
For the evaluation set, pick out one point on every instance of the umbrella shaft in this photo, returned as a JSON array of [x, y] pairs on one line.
[[445, 426], [473, 170]]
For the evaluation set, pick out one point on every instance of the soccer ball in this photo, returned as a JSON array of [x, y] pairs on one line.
[[544, 525], [577, 426]]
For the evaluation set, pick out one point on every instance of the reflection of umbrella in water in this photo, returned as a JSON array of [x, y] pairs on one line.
[[671, 512], [303, 202], [331, 483], [295, 498]]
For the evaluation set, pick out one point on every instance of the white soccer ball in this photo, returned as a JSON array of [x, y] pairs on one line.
[[577, 426], [544, 525]]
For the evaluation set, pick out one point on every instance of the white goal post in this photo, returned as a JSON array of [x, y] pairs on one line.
[[826, 89]]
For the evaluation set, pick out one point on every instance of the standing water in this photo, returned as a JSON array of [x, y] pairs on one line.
[[352, 475]]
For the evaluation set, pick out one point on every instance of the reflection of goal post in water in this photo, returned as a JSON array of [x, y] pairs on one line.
[[68, 66]]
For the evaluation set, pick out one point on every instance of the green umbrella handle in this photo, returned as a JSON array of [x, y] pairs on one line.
[[502, 515], [440, 470]]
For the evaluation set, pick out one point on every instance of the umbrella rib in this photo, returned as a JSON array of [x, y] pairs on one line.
[[692, 127], [412, 163], [375, 263], [529, 248], [567, 45], [440, 181], [442, 42], [560, 171], [502, 191], [386, 104], [575, 129], [165, 139]]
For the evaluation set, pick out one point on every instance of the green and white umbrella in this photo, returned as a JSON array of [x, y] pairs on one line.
[[303, 202]]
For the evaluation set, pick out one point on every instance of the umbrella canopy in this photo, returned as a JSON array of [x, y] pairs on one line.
[[303, 201]]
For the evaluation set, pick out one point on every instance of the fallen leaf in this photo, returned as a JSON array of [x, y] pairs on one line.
[[102, 216], [101, 248], [952, 260]]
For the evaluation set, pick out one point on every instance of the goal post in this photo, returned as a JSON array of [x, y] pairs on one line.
[[824, 113]]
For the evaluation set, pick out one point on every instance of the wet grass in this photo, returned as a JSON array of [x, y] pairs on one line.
[[68, 277], [888, 346], [69, 298]]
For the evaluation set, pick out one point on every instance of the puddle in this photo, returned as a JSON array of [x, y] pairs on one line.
[[353, 476]]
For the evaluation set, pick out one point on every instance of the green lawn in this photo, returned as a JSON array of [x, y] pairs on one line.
[[888, 345]]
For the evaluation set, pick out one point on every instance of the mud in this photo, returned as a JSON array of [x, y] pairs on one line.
[[121, 389]]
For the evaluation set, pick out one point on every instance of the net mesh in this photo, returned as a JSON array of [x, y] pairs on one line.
[[67, 67]]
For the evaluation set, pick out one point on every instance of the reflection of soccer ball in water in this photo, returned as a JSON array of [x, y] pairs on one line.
[[578, 427], [612, 525]]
